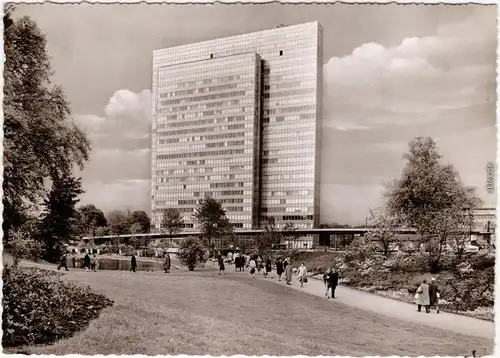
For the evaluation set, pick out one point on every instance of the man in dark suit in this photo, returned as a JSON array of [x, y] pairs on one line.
[[434, 294], [333, 281]]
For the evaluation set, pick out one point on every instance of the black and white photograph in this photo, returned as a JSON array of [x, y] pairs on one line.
[[254, 179]]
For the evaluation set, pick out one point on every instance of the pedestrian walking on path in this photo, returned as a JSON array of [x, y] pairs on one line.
[[288, 272], [434, 294], [279, 268], [332, 282], [64, 262], [237, 260], [95, 263], [166, 263], [302, 274], [325, 281], [268, 267], [253, 264], [422, 297], [133, 263], [259, 264], [222, 268], [86, 262]]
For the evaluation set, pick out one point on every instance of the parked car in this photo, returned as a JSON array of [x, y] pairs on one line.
[[471, 249]]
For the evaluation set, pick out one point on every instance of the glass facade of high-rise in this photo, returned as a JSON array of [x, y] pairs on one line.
[[239, 119]]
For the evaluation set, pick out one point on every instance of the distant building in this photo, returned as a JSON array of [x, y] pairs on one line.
[[485, 219], [239, 119]]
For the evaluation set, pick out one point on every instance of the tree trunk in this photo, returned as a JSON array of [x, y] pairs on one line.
[[434, 267]]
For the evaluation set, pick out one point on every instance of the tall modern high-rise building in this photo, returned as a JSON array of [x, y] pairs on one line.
[[239, 119]]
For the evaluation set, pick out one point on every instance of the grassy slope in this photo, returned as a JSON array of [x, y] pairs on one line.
[[202, 313]]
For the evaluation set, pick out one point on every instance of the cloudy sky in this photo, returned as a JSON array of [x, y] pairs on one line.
[[391, 72]]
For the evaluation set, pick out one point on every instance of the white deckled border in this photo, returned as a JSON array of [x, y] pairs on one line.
[[450, 2], [497, 184]]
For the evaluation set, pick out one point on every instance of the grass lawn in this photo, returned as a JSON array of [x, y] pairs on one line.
[[205, 314]]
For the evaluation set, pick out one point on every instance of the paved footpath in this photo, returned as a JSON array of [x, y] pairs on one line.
[[397, 309]]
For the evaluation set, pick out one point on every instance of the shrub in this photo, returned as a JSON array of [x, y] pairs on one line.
[[192, 253], [339, 264], [464, 268], [470, 290], [361, 250], [481, 262], [127, 250], [109, 249], [414, 263], [319, 269], [148, 253], [24, 248], [449, 262], [39, 308]]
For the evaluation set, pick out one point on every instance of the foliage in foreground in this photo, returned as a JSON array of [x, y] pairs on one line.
[[192, 253], [40, 308]]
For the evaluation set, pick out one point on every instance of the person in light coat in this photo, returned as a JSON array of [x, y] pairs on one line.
[[302, 274], [288, 272], [95, 263], [253, 266], [422, 297], [325, 281]]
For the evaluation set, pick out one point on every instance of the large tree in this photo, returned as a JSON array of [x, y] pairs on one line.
[[271, 236], [430, 198], [142, 219], [118, 222], [135, 229], [211, 218], [57, 224], [289, 232], [172, 221], [40, 140], [459, 239], [89, 219]]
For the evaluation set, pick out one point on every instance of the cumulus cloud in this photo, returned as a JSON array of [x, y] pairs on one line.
[[378, 98], [127, 104], [117, 175]]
